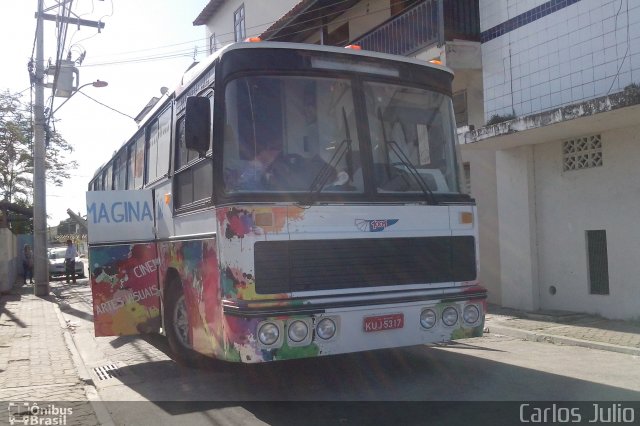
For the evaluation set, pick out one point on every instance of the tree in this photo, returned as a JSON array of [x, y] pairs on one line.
[[21, 223], [16, 163]]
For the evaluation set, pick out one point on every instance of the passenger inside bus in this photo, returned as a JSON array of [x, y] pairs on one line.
[[308, 119], [257, 172]]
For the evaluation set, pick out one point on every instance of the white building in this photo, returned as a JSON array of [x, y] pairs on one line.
[[447, 30], [228, 21], [557, 187]]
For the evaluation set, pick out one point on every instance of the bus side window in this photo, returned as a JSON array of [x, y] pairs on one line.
[[193, 178]]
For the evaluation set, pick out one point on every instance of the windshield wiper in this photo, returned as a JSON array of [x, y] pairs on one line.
[[325, 172], [406, 162], [431, 199]]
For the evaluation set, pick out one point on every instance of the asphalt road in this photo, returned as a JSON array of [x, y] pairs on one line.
[[470, 381]]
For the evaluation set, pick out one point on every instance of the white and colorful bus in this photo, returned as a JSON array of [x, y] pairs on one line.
[[289, 201]]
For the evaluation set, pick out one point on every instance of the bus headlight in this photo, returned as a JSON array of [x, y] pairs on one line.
[[471, 314], [298, 331], [326, 328], [450, 316], [428, 318], [268, 333]]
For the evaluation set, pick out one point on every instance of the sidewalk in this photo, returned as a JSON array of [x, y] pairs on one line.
[[37, 361], [566, 328]]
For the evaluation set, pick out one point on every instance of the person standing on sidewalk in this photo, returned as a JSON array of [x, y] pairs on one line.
[[27, 263], [70, 261]]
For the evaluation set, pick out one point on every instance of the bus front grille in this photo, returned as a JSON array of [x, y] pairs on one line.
[[306, 265]]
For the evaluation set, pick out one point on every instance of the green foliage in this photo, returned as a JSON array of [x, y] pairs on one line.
[[19, 223], [496, 118], [16, 161], [632, 91]]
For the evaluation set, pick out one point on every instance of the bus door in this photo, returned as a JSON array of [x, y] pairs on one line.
[[123, 262]]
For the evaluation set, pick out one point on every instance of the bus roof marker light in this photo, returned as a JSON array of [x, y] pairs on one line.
[[353, 46], [253, 39], [167, 199], [435, 61]]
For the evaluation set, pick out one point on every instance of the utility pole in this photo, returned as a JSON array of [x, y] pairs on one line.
[[40, 258], [41, 263]]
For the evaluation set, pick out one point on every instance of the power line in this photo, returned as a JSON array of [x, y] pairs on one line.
[[107, 106], [230, 33], [189, 52]]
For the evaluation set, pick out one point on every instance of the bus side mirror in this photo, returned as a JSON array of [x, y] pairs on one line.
[[197, 124]]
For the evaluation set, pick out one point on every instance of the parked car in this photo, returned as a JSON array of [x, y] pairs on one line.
[[56, 263]]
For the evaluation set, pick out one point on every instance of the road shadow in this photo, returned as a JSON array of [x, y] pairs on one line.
[[396, 386], [14, 296], [383, 375]]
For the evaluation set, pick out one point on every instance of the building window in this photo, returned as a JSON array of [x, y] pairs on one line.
[[238, 24], [212, 43], [597, 262], [193, 179], [582, 153]]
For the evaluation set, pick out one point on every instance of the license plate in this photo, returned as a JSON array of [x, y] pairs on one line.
[[383, 322]]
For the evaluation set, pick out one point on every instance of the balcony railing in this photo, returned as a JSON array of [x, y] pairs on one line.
[[406, 33], [423, 25]]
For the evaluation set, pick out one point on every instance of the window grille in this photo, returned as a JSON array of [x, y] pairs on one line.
[[598, 261], [582, 153]]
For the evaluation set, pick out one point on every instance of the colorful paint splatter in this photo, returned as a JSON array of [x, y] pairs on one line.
[[125, 289]]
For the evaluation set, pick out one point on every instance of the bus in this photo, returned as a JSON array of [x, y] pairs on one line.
[[289, 201]]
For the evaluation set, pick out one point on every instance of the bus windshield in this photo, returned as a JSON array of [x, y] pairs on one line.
[[300, 134]]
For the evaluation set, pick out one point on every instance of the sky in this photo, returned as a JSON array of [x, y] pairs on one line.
[[134, 32]]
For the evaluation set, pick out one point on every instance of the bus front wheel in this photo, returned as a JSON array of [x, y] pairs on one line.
[[176, 321]]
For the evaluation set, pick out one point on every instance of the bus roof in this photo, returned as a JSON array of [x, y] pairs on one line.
[[193, 73]]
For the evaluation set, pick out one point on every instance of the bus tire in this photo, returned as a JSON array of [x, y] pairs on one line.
[[176, 322]]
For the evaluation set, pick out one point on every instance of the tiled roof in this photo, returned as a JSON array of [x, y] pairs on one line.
[[208, 12], [291, 14]]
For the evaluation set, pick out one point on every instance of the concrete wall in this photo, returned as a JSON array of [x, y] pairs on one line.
[[571, 202], [517, 227], [588, 49], [471, 81], [484, 190], [8, 260]]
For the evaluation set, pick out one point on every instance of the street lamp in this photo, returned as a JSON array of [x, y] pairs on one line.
[[97, 83], [41, 262]]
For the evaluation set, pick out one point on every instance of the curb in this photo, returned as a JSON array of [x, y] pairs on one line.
[[561, 340], [99, 407]]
